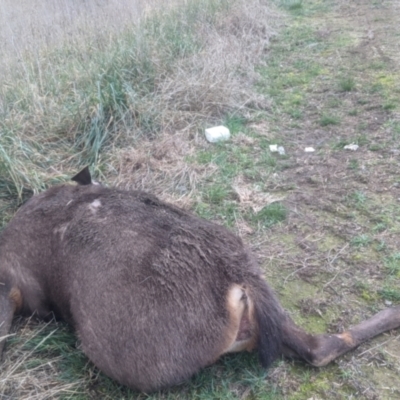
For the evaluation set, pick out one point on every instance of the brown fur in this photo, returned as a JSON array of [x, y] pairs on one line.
[[16, 299], [153, 292]]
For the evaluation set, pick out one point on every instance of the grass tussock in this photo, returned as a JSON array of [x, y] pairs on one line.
[[89, 80]]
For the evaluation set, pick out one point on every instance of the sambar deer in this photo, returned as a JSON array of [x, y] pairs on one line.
[[153, 292]]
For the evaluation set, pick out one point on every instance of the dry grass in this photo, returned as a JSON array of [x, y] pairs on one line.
[[99, 85], [29, 28], [161, 168], [250, 195], [25, 376]]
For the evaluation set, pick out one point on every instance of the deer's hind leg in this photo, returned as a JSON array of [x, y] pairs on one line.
[[10, 302], [320, 350]]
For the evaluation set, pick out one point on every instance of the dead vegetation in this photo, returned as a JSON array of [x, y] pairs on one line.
[[79, 101], [24, 376]]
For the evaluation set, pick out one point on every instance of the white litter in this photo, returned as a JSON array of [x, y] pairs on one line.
[[274, 148], [309, 149], [217, 134], [281, 150], [351, 146]]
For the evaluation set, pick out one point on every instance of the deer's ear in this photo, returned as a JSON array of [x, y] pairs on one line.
[[83, 177]]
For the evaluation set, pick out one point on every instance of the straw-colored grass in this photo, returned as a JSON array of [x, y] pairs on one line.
[[87, 80]]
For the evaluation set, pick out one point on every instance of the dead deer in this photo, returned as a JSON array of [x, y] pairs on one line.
[[153, 292]]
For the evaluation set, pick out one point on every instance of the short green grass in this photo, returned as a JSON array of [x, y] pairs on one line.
[[292, 5], [270, 215], [361, 241], [219, 199], [327, 119], [347, 84]]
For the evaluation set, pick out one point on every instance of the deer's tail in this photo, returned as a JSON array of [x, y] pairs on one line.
[[269, 316]]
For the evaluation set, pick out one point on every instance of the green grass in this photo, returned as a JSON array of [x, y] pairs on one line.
[[327, 119], [347, 84], [216, 194], [238, 161], [379, 227], [359, 198], [292, 5], [270, 215], [354, 164], [392, 263], [390, 294], [235, 123], [389, 105], [360, 241]]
